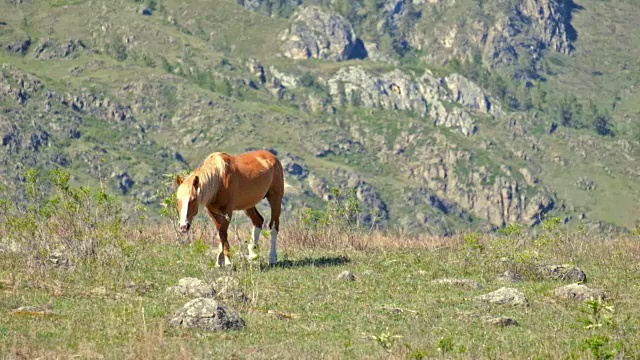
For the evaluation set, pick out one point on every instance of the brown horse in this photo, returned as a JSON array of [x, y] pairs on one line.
[[225, 183]]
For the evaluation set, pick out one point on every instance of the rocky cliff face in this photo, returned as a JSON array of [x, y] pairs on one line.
[[317, 34], [427, 96], [498, 195], [551, 22], [502, 32]]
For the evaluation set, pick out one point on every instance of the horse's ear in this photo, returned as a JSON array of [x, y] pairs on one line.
[[178, 180], [196, 183]]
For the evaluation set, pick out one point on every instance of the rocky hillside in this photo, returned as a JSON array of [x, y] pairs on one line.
[[441, 115]]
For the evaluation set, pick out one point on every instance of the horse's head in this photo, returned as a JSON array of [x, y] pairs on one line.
[[187, 196]]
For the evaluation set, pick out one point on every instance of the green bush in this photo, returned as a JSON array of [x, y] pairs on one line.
[[88, 225]]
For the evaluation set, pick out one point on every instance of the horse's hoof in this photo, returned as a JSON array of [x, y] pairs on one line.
[[252, 256]]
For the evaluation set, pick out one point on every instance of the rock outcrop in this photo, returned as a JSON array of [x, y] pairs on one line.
[[498, 195], [503, 34], [49, 49], [427, 96], [550, 21], [14, 40], [317, 34]]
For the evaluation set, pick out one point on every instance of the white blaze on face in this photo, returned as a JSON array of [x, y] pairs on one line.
[[184, 210]]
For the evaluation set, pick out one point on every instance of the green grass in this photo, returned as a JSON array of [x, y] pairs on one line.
[[323, 315]]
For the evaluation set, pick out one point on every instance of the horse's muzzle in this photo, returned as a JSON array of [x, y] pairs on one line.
[[185, 228]]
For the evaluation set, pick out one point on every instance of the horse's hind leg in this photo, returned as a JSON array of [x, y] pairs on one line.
[[275, 202], [257, 221]]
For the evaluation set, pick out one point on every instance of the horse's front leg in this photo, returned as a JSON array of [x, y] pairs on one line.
[[222, 225], [224, 250]]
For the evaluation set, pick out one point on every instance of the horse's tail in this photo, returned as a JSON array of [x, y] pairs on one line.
[[288, 188]]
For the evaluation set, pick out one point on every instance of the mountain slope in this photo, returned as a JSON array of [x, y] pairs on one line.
[[441, 115]]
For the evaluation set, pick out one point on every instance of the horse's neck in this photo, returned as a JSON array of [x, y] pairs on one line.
[[208, 191]]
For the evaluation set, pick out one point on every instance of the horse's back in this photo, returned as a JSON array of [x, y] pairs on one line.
[[259, 158], [256, 174]]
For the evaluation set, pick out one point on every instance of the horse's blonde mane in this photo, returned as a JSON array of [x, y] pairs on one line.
[[210, 175]]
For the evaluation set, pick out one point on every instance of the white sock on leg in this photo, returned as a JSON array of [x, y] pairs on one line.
[[256, 241], [274, 244]]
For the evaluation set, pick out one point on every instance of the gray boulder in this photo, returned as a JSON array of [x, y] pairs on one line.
[[562, 272], [207, 314], [347, 275], [578, 292], [504, 296]]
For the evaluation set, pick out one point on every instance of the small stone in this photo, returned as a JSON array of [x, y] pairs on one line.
[[192, 287], [500, 321], [509, 276], [562, 272], [207, 314], [59, 259], [228, 288], [466, 283], [99, 291], [578, 292], [346, 275], [504, 296]]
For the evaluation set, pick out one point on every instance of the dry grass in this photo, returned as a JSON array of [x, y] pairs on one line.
[[297, 235]]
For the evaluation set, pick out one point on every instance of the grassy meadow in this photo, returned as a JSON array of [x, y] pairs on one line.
[[78, 279]]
